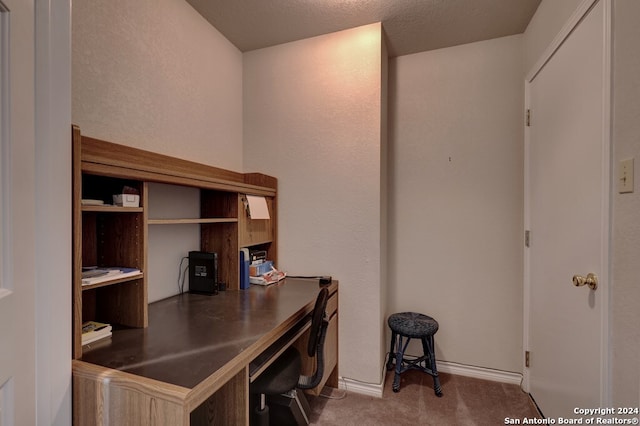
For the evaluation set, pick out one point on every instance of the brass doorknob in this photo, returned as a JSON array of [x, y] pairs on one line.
[[591, 280]]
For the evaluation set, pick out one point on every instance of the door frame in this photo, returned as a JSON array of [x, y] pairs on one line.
[[52, 160], [604, 282]]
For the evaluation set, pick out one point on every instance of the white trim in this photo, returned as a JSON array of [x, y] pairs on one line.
[[607, 205], [579, 14], [6, 262], [376, 390], [479, 372], [605, 288], [371, 389], [526, 282], [52, 178]]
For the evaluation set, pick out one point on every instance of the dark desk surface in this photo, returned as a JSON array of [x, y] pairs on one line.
[[191, 336]]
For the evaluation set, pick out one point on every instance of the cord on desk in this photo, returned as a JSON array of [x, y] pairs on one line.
[[322, 279]]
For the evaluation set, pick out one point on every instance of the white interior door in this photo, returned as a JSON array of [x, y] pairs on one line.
[[17, 312], [567, 215]]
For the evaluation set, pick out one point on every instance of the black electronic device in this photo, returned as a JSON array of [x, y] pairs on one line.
[[203, 272], [257, 255]]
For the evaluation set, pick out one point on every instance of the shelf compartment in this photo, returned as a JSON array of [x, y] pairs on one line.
[[112, 239], [123, 303], [104, 188]]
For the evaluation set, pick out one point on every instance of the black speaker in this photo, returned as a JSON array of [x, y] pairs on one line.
[[203, 272]]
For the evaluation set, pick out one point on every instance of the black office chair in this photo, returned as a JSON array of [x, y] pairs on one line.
[[283, 375]]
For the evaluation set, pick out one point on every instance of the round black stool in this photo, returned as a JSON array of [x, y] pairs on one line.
[[411, 325]]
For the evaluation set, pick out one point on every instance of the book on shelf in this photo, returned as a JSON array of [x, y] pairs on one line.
[[96, 275], [244, 268], [94, 330]]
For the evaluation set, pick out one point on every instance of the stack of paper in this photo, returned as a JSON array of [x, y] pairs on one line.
[[93, 330], [269, 278]]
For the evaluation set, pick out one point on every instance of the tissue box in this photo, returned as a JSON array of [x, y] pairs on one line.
[[126, 200]]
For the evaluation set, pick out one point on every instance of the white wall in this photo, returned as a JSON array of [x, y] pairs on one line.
[[456, 194], [625, 302], [312, 118], [155, 75]]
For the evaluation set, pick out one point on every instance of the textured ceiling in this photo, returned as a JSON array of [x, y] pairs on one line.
[[410, 25]]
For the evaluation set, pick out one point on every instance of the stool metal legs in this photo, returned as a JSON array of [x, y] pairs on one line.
[[428, 346], [425, 363]]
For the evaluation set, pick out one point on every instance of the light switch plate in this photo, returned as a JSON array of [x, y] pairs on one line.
[[625, 176]]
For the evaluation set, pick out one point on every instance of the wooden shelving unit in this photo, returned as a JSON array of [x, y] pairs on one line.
[[117, 236]]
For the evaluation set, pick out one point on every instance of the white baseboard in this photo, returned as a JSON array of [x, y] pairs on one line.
[[371, 389], [374, 389], [479, 372]]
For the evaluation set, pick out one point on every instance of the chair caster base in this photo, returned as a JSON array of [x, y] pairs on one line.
[[262, 416]]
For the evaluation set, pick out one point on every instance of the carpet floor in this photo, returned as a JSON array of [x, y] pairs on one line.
[[466, 402]]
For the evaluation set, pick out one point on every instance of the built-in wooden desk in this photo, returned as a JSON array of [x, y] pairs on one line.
[[191, 364]]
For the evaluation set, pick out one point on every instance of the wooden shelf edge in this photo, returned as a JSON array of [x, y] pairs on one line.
[[112, 282], [254, 243], [190, 221], [112, 209], [105, 376], [175, 179]]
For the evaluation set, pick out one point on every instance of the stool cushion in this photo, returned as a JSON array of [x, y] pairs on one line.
[[412, 324]]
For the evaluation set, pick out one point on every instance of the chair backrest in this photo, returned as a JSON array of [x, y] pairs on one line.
[[317, 316], [315, 347]]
